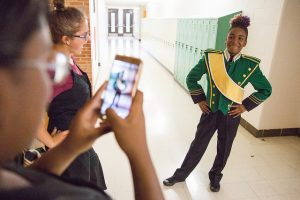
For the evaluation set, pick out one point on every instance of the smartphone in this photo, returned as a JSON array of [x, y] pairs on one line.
[[122, 85]]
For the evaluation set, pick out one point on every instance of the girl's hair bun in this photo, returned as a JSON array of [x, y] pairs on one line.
[[240, 21], [59, 5]]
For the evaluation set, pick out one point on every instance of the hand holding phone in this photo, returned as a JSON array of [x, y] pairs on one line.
[[122, 85]]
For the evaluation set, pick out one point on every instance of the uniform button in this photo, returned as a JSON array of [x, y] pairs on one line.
[[213, 102], [214, 94], [214, 86], [239, 83], [249, 69], [244, 75]]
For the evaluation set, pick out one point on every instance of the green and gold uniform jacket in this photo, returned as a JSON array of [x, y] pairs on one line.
[[242, 71]]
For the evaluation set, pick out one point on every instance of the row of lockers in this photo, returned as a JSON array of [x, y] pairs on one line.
[[158, 38], [162, 50], [179, 44], [193, 37]]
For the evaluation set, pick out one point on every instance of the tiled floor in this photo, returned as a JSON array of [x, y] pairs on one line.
[[258, 169]]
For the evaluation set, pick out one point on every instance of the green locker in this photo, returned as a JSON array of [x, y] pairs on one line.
[[177, 53], [222, 30], [206, 34], [182, 52], [199, 35], [195, 48], [212, 33], [190, 54], [193, 37], [186, 52]]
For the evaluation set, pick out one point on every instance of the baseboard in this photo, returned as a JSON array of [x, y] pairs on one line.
[[269, 132]]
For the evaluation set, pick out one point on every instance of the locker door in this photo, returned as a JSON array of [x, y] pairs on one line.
[[177, 49]]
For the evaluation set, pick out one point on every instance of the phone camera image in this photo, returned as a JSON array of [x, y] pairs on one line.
[[120, 88]]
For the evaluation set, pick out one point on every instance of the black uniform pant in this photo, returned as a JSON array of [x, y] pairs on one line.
[[226, 127]]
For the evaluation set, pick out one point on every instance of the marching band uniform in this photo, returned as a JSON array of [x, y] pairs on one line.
[[226, 79]]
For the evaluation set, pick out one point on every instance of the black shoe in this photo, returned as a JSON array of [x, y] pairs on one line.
[[214, 187], [171, 181]]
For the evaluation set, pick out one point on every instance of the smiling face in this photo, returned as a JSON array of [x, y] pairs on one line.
[[236, 40]]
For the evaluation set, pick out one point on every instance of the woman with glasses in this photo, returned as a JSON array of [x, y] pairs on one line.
[[69, 30], [25, 85]]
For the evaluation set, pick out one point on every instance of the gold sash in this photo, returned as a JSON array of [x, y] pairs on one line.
[[222, 80]]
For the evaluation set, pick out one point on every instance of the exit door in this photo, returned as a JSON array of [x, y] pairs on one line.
[[112, 21], [128, 22]]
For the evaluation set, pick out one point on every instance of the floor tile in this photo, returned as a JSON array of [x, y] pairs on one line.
[[257, 169]]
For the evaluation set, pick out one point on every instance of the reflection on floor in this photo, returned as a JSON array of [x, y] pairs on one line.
[[257, 169]]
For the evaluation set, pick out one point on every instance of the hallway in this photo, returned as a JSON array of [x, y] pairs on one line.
[[258, 169]]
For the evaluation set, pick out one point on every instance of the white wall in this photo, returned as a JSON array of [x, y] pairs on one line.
[[99, 32], [137, 22], [206, 8], [283, 110], [92, 21], [265, 40]]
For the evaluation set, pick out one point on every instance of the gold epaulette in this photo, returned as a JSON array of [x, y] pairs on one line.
[[254, 59], [212, 51]]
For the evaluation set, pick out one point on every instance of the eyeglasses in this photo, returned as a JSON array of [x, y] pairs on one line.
[[86, 36], [57, 67]]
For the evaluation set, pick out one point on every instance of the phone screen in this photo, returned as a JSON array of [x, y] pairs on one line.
[[120, 88]]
